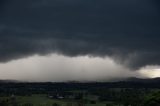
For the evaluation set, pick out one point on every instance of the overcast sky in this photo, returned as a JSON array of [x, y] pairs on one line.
[[84, 40]]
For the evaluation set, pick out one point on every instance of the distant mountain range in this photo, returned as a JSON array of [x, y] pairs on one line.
[[130, 79], [145, 80], [10, 81], [123, 83]]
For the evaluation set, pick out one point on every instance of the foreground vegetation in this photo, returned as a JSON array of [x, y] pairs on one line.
[[76, 94], [116, 97]]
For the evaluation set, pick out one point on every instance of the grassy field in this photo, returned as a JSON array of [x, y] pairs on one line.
[[43, 100], [37, 100]]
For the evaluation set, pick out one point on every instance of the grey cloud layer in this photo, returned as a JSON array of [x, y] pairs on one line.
[[127, 30]]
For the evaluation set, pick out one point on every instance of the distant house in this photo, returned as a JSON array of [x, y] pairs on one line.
[[13, 97], [60, 97], [56, 96], [49, 96]]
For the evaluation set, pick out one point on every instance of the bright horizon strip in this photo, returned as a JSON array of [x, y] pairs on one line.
[[151, 71]]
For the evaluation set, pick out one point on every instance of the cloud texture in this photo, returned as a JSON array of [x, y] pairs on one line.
[[126, 30]]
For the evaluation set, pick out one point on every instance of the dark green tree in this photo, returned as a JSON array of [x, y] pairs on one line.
[[152, 100]]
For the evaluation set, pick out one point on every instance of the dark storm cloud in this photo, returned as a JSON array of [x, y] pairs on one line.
[[127, 30]]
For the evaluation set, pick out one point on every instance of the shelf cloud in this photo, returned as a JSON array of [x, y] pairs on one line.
[[128, 31]]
